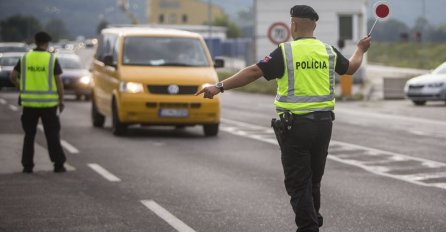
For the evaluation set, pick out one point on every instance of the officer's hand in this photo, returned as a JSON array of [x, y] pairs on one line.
[[364, 43], [209, 92], [61, 107]]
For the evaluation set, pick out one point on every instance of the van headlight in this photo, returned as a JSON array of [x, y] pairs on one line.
[[86, 80], [131, 87]]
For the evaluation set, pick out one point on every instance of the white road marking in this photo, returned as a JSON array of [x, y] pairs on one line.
[[389, 117], [69, 167], [2, 101], [13, 107], [167, 216], [417, 132], [376, 161], [104, 173], [69, 147]]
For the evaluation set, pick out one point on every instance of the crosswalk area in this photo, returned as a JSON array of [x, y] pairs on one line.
[[398, 166]]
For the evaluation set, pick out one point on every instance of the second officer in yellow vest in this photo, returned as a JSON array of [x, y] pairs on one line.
[[41, 94], [305, 73]]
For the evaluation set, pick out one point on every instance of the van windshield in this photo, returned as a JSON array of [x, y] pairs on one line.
[[164, 51]]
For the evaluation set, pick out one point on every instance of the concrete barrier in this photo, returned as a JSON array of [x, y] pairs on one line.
[[393, 87]]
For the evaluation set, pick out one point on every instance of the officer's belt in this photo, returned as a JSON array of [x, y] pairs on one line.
[[317, 116]]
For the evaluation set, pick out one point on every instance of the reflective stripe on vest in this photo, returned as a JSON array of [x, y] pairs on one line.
[[37, 86], [309, 95]]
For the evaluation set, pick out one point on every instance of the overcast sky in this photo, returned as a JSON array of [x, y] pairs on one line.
[[409, 10]]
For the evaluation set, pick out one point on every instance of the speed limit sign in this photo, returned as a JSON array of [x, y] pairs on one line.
[[278, 32]]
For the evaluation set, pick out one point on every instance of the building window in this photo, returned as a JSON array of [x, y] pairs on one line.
[[346, 27], [161, 18], [184, 19]]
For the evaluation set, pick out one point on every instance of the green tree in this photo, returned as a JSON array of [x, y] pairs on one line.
[[233, 31], [19, 28], [422, 26], [56, 28], [389, 31]]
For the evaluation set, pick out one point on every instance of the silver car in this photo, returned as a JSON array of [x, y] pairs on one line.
[[427, 87], [7, 63]]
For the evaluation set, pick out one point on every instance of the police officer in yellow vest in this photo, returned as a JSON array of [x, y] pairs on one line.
[[41, 94], [305, 73]]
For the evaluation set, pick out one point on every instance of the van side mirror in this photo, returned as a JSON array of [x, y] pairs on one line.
[[219, 63], [108, 60]]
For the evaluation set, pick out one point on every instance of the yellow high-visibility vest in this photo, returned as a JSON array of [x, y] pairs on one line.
[[37, 84], [308, 82]]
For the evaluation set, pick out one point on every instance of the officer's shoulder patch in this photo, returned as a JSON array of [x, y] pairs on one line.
[[266, 59]]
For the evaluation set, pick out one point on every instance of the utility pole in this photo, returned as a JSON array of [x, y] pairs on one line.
[[210, 27]]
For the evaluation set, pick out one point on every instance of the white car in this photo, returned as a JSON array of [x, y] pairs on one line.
[[427, 87]]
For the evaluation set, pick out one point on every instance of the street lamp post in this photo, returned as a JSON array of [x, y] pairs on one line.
[[210, 27]]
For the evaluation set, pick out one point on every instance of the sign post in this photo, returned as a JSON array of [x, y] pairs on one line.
[[381, 12]]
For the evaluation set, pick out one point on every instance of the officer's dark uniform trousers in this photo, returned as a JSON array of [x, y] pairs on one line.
[[303, 158], [51, 125]]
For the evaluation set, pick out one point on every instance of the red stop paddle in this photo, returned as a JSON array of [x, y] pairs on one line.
[[382, 12]]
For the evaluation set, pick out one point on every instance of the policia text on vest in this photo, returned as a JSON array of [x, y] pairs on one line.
[[36, 69], [313, 64]]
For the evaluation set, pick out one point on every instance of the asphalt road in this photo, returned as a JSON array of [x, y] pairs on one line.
[[386, 172]]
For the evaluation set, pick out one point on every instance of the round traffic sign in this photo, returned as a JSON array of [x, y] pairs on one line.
[[278, 32], [382, 10]]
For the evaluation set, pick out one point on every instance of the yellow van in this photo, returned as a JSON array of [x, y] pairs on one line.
[[149, 76]]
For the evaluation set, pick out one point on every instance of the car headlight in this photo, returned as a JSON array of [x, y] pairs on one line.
[[436, 85], [131, 87], [86, 80]]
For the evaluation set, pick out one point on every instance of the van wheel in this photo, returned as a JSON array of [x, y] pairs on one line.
[[419, 103], [211, 129], [118, 127], [97, 118]]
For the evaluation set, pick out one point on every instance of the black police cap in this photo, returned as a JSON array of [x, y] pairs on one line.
[[304, 11], [42, 37]]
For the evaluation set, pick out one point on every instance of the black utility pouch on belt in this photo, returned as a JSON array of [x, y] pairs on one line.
[[281, 126], [279, 130]]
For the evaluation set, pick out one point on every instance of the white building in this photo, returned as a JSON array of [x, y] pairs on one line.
[[340, 19]]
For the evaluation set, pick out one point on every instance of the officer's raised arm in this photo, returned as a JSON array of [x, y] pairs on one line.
[[356, 59], [241, 78]]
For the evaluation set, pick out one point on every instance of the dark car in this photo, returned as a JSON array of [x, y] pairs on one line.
[[76, 78], [7, 63]]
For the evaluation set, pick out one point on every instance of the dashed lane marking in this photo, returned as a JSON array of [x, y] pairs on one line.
[[13, 107], [2, 101], [70, 148], [167, 216], [398, 166], [103, 172]]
